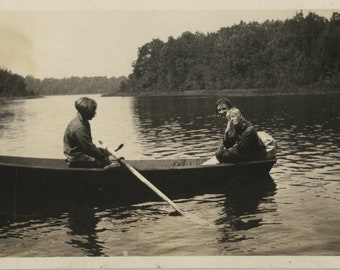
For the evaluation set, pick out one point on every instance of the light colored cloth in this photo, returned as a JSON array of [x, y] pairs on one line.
[[211, 161], [269, 143]]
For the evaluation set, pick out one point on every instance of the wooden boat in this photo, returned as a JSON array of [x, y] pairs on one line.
[[38, 181]]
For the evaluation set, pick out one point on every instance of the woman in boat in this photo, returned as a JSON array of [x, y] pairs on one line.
[[240, 140], [222, 105], [79, 149]]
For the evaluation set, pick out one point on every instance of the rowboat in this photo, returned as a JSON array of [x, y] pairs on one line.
[[28, 183]]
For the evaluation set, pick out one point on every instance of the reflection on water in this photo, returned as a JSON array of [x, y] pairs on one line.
[[255, 216], [178, 126], [242, 201], [82, 222]]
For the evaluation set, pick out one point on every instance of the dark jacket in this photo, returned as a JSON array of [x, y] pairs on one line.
[[78, 140], [241, 143], [243, 139]]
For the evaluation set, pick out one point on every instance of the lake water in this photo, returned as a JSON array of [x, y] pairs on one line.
[[295, 213]]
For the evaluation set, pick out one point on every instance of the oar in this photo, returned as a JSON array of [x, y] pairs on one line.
[[144, 180]]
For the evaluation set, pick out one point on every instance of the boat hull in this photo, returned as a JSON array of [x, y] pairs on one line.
[[32, 186]]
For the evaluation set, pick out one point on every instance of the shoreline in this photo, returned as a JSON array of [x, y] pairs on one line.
[[227, 92], [19, 97], [191, 93]]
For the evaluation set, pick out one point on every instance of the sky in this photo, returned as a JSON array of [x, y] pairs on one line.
[[101, 38]]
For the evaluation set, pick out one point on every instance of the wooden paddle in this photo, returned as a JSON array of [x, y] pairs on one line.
[[143, 179]]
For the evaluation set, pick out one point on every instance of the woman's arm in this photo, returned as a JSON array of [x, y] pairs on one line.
[[85, 141], [230, 136]]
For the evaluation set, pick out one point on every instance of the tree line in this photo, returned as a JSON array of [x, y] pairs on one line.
[[73, 85], [12, 85], [303, 51]]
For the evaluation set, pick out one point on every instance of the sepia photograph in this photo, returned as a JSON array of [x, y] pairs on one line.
[[169, 134]]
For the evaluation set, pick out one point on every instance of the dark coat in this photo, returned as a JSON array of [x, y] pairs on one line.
[[241, 143], [78, 140]]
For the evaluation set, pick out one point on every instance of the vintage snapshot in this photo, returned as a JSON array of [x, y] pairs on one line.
[[169, 134]]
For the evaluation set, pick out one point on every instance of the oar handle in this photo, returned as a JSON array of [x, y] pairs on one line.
[[119, 147]]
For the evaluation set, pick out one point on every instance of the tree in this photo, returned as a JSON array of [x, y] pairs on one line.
[[12, 84], [301, 51]]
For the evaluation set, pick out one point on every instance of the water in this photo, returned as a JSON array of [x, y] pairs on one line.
[[295, 211]]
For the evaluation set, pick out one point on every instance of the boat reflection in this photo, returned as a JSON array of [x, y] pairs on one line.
[[243, 198]]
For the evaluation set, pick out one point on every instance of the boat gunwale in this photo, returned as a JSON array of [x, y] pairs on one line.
[[175, 167]]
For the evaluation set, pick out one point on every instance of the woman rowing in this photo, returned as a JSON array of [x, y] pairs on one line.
[[79, 149]]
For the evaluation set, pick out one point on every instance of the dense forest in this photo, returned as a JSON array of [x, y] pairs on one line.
[[73, 85], [300, 52]]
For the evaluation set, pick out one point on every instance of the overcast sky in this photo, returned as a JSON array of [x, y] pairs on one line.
[[87, 39]]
